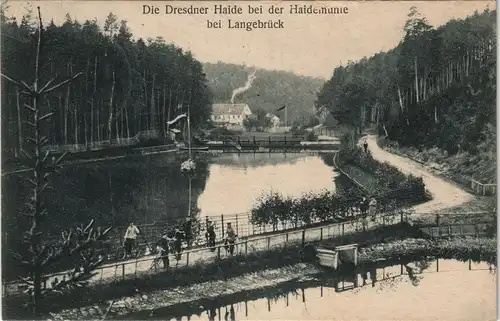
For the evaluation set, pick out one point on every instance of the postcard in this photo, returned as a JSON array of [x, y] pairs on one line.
[[248, 160]]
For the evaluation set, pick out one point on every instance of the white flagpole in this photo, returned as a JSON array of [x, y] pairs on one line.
[[286, 116]]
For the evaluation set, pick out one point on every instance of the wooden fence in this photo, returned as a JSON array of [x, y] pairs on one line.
[[483, 189], [244, 246]]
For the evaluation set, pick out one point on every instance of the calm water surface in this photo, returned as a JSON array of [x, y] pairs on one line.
[[150, 189], [454, 293], [237, 181]]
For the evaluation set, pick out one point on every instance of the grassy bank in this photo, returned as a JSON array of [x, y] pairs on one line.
[[183, 276], [382, 177], [458, 248], [460, 167], [176, 300], [274, 283]]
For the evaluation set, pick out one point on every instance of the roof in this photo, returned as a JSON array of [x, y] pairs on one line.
[[269, 115], [228, 109]]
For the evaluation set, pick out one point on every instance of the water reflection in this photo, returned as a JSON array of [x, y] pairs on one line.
[[236, 182], [447, 290], [152, 189]]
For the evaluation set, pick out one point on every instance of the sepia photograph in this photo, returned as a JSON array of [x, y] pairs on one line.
[[248, 160]]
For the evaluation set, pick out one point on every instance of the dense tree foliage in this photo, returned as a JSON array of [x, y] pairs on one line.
[[270, 90], [126, 86], [436, 88]]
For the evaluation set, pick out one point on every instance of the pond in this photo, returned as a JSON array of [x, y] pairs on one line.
[[152, 189], [444, 290]]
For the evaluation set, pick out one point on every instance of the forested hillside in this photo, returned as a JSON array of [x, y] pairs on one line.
[[125, 86], [437, 88], [270, 90]]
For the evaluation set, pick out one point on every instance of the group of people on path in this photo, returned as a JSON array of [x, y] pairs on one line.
[[368, 206], [172, 242]]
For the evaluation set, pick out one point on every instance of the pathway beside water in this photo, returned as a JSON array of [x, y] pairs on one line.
[[445, 194]]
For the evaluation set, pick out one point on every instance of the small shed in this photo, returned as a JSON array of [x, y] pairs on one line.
[[333, 258]]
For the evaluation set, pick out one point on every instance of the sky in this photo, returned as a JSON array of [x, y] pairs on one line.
[[310, 45]]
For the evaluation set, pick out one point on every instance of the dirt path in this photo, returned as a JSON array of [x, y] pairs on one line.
[[445, 195]]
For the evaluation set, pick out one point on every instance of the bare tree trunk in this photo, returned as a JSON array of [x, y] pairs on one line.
[[169, 109], [66, 109], [117, 130], [19, 126], [145, 98], [163, 113], [86, 130], [152, 127], [400, 100], [110, 119], [75, 115], [425, 84], [416, 82], [127, 122], [467, 64], [93, 101]]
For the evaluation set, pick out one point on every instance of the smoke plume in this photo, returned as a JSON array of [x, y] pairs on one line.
[[247, 86]]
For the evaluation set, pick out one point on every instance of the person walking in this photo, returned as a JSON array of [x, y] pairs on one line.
[[179, 236], [365, 146], [163, 250], [363, 206], [210, 235], [231, 238], [130, 238], [373, 206]]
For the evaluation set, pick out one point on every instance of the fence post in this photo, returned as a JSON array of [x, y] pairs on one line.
[[246, 247], [343, 228], [218, 252], [222, 225], [268, 243], [286, 238], [187, 258], [237, 231], [321, 234], [123, 271], [254, 141], [303, 238]]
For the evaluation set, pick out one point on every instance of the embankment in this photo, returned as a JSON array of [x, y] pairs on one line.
[[175, 301], [461, 167]]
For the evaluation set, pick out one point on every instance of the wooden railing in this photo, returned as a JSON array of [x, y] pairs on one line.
[[483, 189], [248, 245], [244, 246]]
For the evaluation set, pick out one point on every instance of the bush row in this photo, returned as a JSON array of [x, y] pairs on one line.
[[388, 177], [274, 208], [462, 249]]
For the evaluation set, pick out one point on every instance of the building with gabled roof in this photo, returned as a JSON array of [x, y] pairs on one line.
[[230, 114]]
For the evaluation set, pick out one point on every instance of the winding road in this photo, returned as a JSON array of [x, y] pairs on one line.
[[445, 194]]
